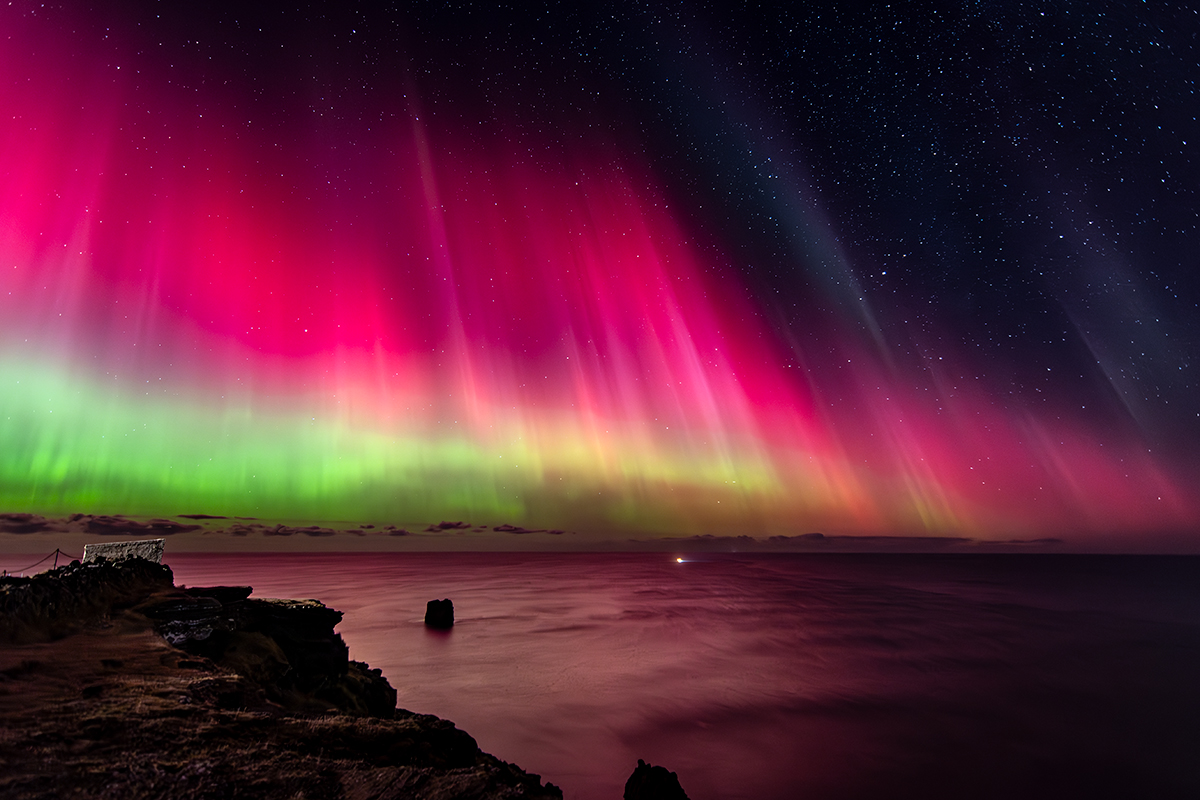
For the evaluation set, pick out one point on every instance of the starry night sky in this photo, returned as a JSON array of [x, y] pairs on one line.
[[1010, 183], [975, 210]]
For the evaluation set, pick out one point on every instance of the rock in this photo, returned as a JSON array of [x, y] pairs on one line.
[[653, 783], [59, 602], [439, 614], [149, 549], [188, 620], [287, 648]]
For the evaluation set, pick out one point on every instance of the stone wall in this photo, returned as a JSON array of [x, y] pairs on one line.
[[149, 549]]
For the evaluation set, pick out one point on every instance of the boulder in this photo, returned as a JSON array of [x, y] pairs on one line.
[[653, 783], [439, 614]]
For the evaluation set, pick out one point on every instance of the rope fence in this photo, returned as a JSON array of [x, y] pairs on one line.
[[57, 552]]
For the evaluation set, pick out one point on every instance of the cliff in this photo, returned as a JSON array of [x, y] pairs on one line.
[[115, 683]]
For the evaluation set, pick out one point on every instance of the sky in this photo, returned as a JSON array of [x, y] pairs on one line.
[[661, 270]]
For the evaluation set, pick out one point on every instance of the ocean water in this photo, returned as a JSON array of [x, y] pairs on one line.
[[786, 676]]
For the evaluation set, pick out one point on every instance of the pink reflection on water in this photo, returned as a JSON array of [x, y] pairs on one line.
[[761, 677], [556, 666]]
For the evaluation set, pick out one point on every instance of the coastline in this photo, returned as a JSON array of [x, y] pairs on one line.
[[253, 699]]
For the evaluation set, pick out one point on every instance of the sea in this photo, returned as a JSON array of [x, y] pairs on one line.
[[780, 677]]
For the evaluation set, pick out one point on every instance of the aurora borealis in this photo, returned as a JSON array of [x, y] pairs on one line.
[[674, 270]]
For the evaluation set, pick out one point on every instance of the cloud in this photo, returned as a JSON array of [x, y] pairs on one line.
[[119, 524], [23, 523]]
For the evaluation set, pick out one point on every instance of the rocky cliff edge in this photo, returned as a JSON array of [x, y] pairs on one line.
[[115, 683]]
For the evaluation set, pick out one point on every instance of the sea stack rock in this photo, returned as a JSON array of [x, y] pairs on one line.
[[653, 783], [439, 614]]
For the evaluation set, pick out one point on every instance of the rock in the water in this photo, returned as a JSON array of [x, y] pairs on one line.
[[653, 783], [439, 614]]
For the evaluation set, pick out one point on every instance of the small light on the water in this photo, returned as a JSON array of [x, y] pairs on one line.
[[680, 560]]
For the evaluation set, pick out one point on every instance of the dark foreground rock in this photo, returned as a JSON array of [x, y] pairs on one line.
[[653, 783], [114, 683], [55, 604]]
